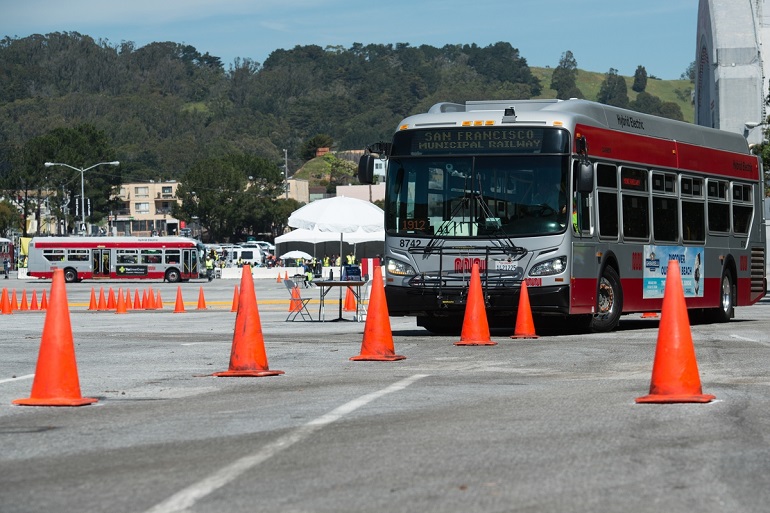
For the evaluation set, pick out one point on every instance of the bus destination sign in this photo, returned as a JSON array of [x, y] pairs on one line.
[[467, 140]]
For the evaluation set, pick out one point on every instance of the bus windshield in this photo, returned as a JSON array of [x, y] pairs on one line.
[[471, 196]]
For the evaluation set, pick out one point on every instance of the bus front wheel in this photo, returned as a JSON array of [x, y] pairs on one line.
[[172, 276], [70, 275], [727, 298], [609, 302]]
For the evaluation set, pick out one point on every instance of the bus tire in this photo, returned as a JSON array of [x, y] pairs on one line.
[[173, 276], [70, 275], [609, 302], [727, 293]]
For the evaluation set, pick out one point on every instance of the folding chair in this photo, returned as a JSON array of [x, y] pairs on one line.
[[298, 305]]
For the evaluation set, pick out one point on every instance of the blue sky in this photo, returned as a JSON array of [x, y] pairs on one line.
[[602, 34]]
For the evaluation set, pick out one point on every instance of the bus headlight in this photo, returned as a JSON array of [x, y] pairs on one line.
[[399, 268], [549, 267]]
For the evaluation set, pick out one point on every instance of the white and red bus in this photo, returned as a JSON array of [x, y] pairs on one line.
[[155, 258], [586, 202]]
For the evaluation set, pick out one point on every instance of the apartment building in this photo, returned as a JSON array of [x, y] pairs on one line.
[[147, 209]]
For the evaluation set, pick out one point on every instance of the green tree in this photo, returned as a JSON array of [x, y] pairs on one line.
[[613, 90], [564, 78], [311, 145], [9, 217], [640, 79]]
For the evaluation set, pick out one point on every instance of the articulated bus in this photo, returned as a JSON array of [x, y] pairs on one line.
[[588, 203], [155, 258]]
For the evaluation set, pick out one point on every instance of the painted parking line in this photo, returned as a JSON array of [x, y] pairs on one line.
[[17, 378], [186, 498]]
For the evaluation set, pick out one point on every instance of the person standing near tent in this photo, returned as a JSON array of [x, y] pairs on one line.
[[7, 267]]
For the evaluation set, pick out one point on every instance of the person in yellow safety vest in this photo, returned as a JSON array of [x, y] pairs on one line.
[[351, 259], [327, 261], [209, 268]]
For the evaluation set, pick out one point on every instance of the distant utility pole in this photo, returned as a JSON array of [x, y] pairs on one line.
[[286, 173]]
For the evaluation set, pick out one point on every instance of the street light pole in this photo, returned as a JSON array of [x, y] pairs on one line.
[[286, 173], [82, 185]]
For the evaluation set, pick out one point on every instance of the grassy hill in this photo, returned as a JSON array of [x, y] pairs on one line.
[[677, 91]]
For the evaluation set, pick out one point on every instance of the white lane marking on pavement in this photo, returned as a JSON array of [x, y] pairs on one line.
[[751, 340], [17, 378], [186, 498]]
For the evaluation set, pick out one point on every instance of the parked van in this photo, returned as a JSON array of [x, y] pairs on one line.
[[252, 255]]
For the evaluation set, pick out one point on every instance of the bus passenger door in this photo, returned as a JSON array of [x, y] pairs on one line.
[[190, 259], [101, 263]]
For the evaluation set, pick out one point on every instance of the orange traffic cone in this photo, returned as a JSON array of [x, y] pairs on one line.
[[179, 305], [236, 293], [14, 301], [377, 344], [350, 301], [247, 356], [675, 377], [102, 305], [649, 315], [295, 305], [137, 300], [5, 303], [150, 304], [56, 376], [43, 302], [120, 306], [525, 327], [278, 279], [33, 305], [286, 275], [475, 331], [111, 304], [24, 305], [158, 302], [127, 300], [92, 305], [201, 300]]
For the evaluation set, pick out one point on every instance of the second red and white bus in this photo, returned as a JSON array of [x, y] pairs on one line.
[[586, 202], [171, 259]]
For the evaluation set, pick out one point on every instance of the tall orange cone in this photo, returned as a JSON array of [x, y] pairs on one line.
[[350, 301], [675, 377], [93, 305], [33, 305], [525, 327], [295, 305], [377, 344], [475, 331], [201, 300], [247, 356], [56, 376], [120, 306], [24, 305], [102, 305], [236, 293], [179, 305], [5, 303], [111, 303]]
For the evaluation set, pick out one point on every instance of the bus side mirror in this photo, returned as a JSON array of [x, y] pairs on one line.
[[366, 169], [585, 178]]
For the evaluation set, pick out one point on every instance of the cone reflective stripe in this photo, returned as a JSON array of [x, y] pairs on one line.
[[247, 355], [56, 377], [525, 327], [475, 331], [179, 305], [675, 377], [377, 344]]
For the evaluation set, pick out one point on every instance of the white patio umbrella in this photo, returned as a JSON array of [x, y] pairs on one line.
[[293, 255], [342, 215]]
